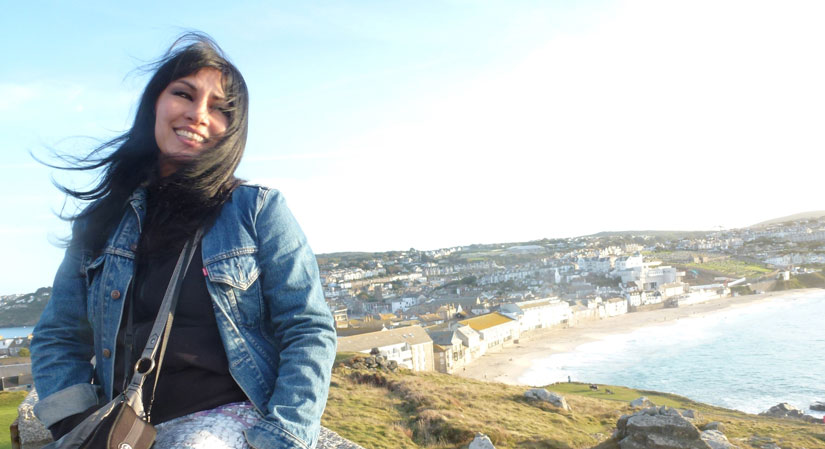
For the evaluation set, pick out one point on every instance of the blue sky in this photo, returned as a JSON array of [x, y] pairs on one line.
[[391, 125]]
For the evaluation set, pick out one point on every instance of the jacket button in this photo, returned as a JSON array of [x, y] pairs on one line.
[[133, 247], [107, 353], [115, 294]]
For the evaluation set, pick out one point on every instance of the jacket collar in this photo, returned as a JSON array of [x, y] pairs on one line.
[[138, 202]]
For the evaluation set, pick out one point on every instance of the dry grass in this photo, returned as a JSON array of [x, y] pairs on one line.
[[431, 410]]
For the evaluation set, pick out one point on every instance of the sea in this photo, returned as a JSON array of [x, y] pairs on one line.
[[747, 358], [14, 332]]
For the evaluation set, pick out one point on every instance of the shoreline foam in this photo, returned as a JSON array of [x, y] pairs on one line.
[[511, 363]]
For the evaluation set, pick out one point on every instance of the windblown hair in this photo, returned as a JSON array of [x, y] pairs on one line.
[[201, 185]]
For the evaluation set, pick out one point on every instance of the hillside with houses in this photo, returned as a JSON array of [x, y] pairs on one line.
[[440, 310]]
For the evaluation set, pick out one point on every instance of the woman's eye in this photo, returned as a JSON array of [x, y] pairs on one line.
[[182, 94], [222, 108]]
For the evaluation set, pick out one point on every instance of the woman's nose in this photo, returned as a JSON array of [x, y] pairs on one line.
[[198, 112]]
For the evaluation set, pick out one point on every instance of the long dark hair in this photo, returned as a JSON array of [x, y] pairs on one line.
[[203, 183]]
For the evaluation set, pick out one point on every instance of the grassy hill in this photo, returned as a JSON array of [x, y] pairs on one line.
[[794, 217], [432, 410], [8, 413], [807, 280]]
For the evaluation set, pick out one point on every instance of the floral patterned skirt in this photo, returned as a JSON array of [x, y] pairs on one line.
[[219, 428]]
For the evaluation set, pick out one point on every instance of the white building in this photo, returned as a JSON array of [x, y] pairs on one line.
[[494, 328], [538, 313], [410, 346]]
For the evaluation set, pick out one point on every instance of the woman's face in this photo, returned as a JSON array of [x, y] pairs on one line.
[[189, 118]]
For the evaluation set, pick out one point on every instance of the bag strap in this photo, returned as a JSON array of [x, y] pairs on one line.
[[163, 324]]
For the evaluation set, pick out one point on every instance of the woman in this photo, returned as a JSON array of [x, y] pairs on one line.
[[251, 348]]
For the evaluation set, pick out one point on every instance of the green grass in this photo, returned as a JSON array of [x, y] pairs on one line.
[[806, 280], [732, 268], [9, 401], [432, 410]]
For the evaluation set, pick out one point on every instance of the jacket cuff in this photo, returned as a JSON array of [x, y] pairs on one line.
[[66, 402], [268, 435]]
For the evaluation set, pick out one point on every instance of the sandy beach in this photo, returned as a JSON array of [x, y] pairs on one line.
[[510, 363]]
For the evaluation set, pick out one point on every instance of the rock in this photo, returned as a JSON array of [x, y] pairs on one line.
[[763, 443], [640, 402], [783, 410], [788, 411], [543, 395], [32, 433], [716, 439], [481, 441], [714, 425], [658, 428], [818, 406], [691, 415]]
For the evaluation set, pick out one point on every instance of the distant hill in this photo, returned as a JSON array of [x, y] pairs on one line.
[[23, 310], [794, 217], [665, 234]]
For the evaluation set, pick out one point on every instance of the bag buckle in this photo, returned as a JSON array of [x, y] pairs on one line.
[[141, 368]]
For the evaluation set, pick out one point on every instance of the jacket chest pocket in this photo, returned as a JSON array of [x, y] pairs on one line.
[[235, 279]]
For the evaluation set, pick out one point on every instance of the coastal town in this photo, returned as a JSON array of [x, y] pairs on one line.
[[441, 310]]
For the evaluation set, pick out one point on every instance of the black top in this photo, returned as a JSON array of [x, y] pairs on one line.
[[195, 371]]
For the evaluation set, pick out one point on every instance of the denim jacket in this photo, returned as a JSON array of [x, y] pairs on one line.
[[263, 280]]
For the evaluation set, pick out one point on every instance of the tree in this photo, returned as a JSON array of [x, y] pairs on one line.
[[24, 352]]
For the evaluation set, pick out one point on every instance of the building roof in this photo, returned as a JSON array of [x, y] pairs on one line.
[[430, 317], [487, 321], [443, 337], [533, 305], [413, 335]]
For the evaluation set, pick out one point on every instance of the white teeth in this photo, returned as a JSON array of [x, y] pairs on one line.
[[189, 135]]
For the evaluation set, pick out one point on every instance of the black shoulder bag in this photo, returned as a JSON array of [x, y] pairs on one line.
[[123, 423]]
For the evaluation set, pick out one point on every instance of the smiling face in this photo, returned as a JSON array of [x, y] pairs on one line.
[[189, 118]]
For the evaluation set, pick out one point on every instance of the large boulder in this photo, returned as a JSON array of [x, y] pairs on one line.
[[658, 428], [541, 394], [788, 411], [641, 402], [818, 406], [481, 441]]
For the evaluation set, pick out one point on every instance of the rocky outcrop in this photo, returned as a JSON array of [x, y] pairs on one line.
[[481, 441], [788, 411], [641, 402], [763, 442], [29, 433], [714, 425], [372, 362], [541, 394], [665, 428], [818, 406]]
